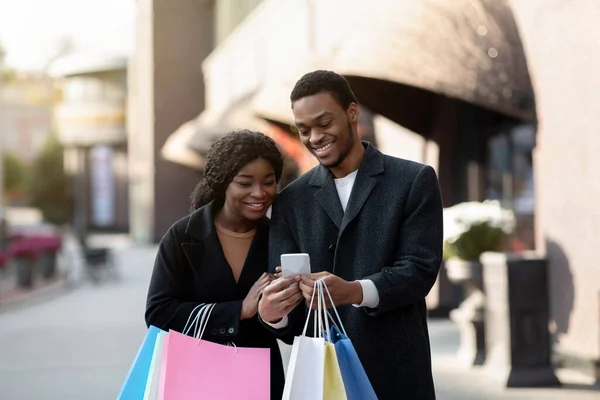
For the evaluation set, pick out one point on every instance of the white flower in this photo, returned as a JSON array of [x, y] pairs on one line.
[[459, 218]]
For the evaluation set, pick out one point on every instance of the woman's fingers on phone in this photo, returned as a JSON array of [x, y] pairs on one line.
[[280, 284]]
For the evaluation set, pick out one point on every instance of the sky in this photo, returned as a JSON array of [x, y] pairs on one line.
[[31, 30]]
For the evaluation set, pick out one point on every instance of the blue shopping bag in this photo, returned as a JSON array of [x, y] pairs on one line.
[[356, 382], [135, 383]]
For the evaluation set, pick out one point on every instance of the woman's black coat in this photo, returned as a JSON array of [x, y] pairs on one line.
[[191, 268]]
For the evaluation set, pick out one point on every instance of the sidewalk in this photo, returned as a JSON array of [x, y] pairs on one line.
[[454, 382], [12, 295]]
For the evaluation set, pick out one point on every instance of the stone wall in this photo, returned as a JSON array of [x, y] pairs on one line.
[[562, 42]]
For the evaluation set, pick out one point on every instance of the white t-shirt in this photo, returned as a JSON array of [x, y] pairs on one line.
[[344, 188]]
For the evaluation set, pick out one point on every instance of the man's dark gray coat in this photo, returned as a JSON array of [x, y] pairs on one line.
[[390, 233]]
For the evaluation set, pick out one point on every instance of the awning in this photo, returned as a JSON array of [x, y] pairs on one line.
[[210, 124], [190, 142], [176, 147], [464, 49]]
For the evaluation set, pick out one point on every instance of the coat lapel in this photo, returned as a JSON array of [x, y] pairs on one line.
[[327, 195], [205, 246], [370, 166]]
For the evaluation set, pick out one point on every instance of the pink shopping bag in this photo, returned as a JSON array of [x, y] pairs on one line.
[[197, 369]]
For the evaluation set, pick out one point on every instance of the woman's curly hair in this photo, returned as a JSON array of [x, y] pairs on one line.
[[226, 156]]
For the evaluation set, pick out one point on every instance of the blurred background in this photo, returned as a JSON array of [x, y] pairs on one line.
[[107, 110]]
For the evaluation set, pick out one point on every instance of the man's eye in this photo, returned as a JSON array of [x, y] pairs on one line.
[[326, 124], [302, 133]]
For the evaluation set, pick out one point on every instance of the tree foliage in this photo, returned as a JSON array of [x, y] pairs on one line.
[[50, 186], [15, 173]]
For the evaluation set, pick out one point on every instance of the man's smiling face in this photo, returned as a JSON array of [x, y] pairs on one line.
[[325, 127]]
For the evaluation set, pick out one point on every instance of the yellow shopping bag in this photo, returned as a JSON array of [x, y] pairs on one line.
[[333, 385]]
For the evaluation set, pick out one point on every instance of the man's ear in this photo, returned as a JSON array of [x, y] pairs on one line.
[[353, 112]]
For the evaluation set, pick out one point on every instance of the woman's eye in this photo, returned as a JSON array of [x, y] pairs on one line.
[[244, 184], [270, 183]]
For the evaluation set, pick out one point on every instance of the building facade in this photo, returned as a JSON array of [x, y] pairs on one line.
[[91, 125]]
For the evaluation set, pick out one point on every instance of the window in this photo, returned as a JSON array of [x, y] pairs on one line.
[[510, 178]]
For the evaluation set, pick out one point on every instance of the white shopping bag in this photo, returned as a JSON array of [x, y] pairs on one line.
[[305, 371], [151, 392]]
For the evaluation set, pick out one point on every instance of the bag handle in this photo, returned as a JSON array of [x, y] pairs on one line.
[[310, 307], [325, 312], [324, 285], [186, 329]]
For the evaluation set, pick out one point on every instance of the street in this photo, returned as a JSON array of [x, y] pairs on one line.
[[80, 344]]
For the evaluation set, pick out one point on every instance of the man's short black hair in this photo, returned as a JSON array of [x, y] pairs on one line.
[[324, 81]]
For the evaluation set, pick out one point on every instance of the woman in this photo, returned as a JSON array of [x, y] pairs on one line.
[[218, 253]]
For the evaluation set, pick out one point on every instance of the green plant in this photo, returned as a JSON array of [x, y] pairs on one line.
[[15, 173], [50, 186], [473, 228], [472, 243]]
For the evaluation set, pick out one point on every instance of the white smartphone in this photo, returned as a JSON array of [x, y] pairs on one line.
[[295, 264]]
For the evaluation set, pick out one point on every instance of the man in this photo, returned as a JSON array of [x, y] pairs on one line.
[[372, 225]]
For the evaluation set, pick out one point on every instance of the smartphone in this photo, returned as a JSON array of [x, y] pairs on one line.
[[295, 264]]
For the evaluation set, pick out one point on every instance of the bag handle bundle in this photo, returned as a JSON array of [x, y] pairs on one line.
[[322, 315], [200, 322]]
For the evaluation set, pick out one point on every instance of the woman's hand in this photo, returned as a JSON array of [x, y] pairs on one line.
[[250, 303]]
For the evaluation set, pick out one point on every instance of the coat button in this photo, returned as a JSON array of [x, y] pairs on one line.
[[222, 331], [231, 330], [214, 331]]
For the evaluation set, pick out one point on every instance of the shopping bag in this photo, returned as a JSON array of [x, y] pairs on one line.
[[197, 369], [305, 377], [333, 384], [135, 383], [160, 395], [356, 381], [151, 392]]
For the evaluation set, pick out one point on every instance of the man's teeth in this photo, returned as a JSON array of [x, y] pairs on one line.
[[325, 147]]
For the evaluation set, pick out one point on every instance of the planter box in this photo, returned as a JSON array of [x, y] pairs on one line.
[[24, 267], [516, 318]]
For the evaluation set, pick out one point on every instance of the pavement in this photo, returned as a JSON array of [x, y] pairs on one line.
[[79, 344]]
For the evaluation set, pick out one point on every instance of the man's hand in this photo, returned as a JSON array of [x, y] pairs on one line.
[[342, 292], [279, 298]]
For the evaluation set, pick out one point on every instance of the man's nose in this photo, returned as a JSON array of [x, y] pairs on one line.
[[315, 136]]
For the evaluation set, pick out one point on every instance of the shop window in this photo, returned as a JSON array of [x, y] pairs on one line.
[[510, 179]]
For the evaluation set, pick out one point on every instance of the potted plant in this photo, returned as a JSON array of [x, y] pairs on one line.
[[471, 229]]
